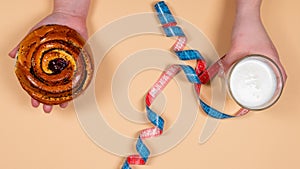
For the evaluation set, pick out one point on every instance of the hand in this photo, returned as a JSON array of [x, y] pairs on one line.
[[76, 22], [250, 37]]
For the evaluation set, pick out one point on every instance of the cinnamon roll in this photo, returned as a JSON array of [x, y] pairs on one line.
[[53, 64]]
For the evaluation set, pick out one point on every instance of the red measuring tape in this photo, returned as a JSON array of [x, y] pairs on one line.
[[198, 76]]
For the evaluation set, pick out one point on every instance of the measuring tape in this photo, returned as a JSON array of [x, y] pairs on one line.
[[198, 76]]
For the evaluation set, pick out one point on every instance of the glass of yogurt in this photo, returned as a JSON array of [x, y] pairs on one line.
[[255, 82]]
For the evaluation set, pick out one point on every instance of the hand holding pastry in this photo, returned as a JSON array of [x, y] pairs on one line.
[[71, 14]]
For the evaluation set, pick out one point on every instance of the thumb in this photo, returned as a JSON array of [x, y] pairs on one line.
[[13, 52]]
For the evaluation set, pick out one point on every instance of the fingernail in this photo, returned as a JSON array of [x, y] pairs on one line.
[[64, 105], [35, 103], [13, 52], [47, 108]]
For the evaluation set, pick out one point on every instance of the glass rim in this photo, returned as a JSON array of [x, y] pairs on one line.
[[279, 87]]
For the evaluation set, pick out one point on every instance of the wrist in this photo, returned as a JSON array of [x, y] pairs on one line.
[[77, 9], [249, 2], [248, 7]]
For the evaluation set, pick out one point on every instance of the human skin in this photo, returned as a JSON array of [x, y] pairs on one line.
[[72, 13], [248, 36]]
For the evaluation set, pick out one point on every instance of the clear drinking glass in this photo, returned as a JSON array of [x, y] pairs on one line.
[[255, 82]]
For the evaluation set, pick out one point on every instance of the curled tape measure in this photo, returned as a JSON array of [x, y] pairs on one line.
[[197, 76]]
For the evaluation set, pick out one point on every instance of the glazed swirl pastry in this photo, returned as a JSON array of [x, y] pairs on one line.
[[53, 65]]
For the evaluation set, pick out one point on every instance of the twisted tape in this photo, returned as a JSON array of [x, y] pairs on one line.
[[202, 74], [198, 76]]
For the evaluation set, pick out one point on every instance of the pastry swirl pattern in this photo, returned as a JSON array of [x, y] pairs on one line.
[[53, 64]]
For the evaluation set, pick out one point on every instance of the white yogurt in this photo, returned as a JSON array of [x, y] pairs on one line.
[[252, 83]]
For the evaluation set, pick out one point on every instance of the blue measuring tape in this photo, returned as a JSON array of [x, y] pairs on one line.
[[197, 76], [166, 18]]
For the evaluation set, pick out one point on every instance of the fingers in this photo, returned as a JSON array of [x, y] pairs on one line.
[[46, 108], [228, 60], [283, 72], [13, 52], [64, 105], [35, 103], [232, 57]]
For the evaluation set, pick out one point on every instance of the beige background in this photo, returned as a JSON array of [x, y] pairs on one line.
[[30, 139]]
